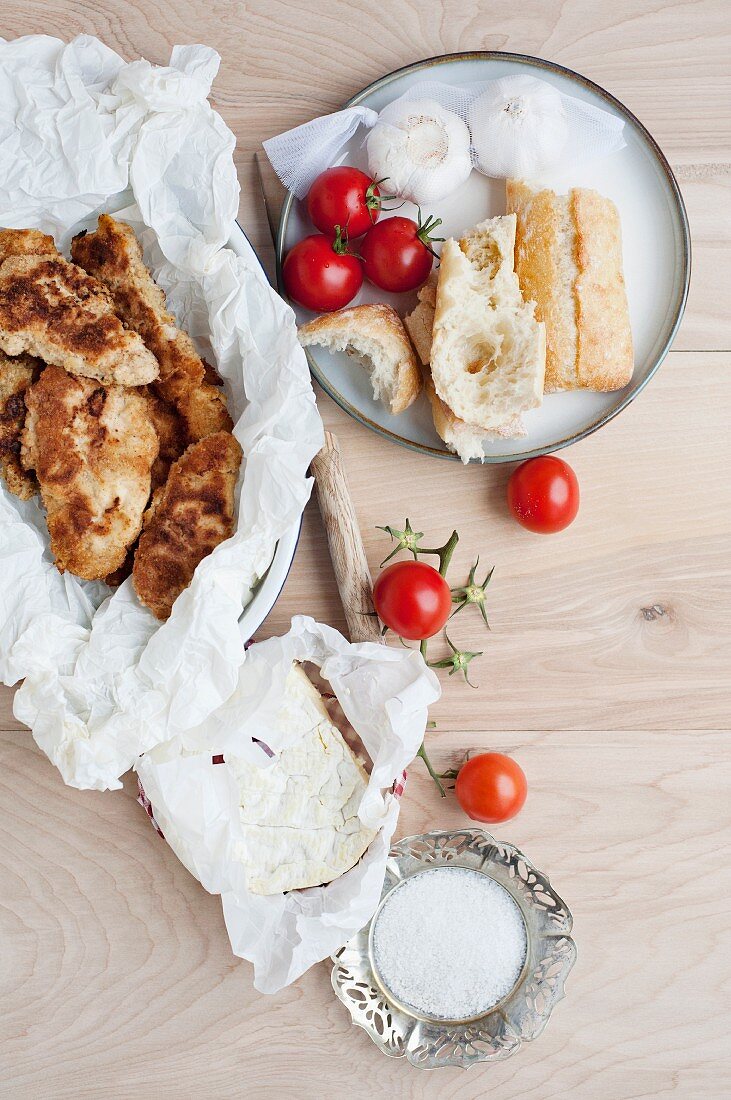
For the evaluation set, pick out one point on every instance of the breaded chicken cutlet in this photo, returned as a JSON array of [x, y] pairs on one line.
[[25, 242], [16, 375], [113, 255], [170, 431], [51, 308], [187, 519], [92, 448]]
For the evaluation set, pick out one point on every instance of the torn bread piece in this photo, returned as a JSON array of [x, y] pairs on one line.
[[189, 516], [298, 814], [92, 448], [568, 258], [113, 255], [466, 440], [374, 333], [488, 350], [16, 375], [51, 308]]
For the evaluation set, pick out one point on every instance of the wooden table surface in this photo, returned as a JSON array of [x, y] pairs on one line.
[[606, 673]]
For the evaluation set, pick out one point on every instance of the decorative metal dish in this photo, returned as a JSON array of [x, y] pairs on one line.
[[520, 1016]]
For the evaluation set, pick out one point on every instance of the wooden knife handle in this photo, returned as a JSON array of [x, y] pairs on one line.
[[346, 546]]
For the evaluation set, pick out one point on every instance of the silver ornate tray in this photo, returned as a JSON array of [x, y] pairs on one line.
[[520, 1016]]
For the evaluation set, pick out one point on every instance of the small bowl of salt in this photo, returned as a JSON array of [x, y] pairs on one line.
[[465, 956]]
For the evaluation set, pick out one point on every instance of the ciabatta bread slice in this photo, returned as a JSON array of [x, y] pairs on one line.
[[376, 335], [568, 258], [488, 350], [465, 439], [420, 322]]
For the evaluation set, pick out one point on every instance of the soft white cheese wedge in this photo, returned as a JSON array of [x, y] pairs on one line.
[[299, 816]]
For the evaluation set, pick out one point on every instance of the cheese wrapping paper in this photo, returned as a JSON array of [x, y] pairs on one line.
[[196, 803], [81, 131]]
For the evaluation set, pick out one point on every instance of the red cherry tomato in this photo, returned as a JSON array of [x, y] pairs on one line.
[[412, 599], [320, 274], [397, 253], [491, 787], [344, 197], [543, 494]]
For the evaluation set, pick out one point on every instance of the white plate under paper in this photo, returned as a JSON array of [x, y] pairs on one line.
[[656, 246], [268, 590]]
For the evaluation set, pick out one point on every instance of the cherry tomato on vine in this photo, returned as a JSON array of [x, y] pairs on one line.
[[412, 599], [397, 253], [491, 787], [344, 197], [321, 274], [543, 494]]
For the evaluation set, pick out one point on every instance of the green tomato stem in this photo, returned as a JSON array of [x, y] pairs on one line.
[[435, 776]]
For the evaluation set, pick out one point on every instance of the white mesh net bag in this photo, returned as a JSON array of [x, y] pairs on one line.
[[426, 142]]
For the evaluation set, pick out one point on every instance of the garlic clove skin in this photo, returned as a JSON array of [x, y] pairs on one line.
[[519, 127], [421, 149]]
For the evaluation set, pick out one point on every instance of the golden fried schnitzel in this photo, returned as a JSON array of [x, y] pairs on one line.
[[16, 375], [119, 576], [113, 255], [25, 242], [92, 448], [51, 308], [187, 519], [170, 431]]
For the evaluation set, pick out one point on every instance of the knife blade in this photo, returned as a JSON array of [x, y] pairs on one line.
[[273, 193]]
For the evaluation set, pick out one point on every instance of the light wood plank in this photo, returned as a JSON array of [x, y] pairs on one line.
[[570, 642], [121, 979], [575, 641], [707, 320]]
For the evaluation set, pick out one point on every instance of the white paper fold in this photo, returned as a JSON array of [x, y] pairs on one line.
[[385, 694], [81, 131]]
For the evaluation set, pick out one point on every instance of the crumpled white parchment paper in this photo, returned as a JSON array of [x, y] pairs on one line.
[[385, 694], [82, 131]]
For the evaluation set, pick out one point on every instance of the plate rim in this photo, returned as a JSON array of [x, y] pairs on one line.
[[686, 251]]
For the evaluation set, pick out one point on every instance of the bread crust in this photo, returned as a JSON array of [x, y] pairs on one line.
[[568, 258], [420, 322], [605, 358], [354, 328]]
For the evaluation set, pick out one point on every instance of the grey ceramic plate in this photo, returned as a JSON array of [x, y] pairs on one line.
[[656, 259]]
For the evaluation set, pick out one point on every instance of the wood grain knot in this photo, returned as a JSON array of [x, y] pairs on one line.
[[656, 611]]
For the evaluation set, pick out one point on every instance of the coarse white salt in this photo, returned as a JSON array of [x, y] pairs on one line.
[[449, 943]]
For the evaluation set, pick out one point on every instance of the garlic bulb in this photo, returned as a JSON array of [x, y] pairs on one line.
[[422, 149], [518, 127]]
